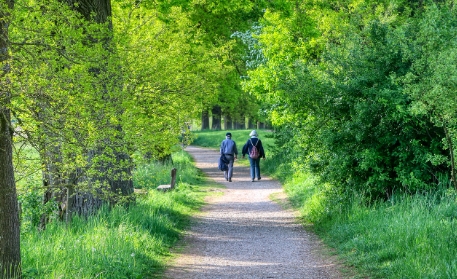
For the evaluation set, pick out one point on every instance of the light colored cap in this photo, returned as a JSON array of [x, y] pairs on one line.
[[253, 133]]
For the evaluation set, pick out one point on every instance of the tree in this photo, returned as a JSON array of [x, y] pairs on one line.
[[68, 103], [432, 81], [109, 156], [10, 257]]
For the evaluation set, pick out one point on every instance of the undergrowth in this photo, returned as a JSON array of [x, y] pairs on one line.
[[119, 242]]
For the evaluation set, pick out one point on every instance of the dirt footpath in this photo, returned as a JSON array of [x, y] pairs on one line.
[[244, 234]]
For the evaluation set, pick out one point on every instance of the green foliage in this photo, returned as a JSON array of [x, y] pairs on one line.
[[333, 78], [33, 209], [380, 146], [431, 81], [90, 94], [214, 23], [65, 94]]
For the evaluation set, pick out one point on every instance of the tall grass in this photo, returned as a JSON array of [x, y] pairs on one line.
[[409, 236], [118, 242]]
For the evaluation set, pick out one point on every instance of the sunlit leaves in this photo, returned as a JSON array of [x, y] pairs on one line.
[[166, 75], [333, 73]]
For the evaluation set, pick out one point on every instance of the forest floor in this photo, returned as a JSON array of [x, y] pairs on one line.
[[248, 231]]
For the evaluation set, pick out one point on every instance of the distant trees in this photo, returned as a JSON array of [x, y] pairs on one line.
[[214, 23]]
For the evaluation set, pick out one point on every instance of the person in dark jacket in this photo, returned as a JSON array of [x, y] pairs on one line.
[[228, 149], [254, 163]]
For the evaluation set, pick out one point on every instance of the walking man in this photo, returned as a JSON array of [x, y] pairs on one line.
[[228, 149]]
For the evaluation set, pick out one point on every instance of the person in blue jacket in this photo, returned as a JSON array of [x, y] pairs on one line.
[[228, 149], [254, 163]]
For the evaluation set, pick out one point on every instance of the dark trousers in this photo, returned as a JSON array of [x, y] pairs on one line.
[[229, 173]]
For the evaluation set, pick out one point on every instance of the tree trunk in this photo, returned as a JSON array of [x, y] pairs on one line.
[[260, 125], [217, 117], [83, 203], [53, 180], [10, 255], [250, 123], [114, 173], [92, 10], [228, 123], [451, 155], [205, 120], [240, 125]]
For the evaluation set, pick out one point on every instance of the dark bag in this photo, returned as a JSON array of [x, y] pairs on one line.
[[223, 163], [254, 153]]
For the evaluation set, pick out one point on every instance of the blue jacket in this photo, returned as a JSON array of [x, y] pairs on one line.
[[248, 146], [228, 146]]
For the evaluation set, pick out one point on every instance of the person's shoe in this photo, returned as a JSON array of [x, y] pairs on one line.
[[252, 180], [259, 178], [230, 180]]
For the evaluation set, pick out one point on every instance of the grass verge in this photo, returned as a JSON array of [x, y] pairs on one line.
[[410, 236], [119, 242]]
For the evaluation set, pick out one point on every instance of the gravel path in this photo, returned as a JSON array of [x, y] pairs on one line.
[[243, 234]]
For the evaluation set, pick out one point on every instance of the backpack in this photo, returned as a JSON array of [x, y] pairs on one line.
[[254, 153]]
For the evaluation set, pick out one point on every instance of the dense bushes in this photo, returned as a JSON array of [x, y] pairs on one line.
[[365, 98]]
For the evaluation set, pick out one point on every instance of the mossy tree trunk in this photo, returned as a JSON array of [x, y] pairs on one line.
[[10, 256]]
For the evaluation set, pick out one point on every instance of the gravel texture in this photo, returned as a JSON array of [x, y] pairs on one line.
[[244, 234]]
